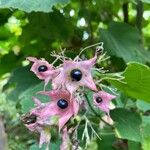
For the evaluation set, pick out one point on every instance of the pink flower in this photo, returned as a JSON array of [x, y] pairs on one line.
[[37, 118], [61, 106], [35, 121], [57, 112], [74, 74], [102, 100], [42, 69]]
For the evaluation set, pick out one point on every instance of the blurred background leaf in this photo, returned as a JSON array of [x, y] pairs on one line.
[[28, 6]]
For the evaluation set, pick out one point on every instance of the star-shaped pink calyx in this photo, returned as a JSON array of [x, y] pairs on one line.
[[42, 69], [102, 100], [35, 121], [74, 74], [61, 105], [54, 113]]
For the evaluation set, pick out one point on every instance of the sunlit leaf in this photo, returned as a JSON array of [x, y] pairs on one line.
[[28, 6], [136, 81]]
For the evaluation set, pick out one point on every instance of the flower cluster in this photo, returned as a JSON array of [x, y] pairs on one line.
[[67, 81]]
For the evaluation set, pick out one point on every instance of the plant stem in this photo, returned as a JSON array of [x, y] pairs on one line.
[[139, 15], [125, 12], [97, 115]]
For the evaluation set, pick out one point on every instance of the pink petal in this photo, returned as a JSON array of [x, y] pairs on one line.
[[88, 82], [69, 65], [44, 138], [48, 110], [58, 83], [104, 106], [75, 107], [71, 87], [106, 98], [106, 95], [36, 101], [88, 64], [64, 119], [32, 59], [56, 94], [65, 140]]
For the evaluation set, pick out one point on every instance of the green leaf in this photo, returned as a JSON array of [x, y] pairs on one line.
[[146, 1], [146, 137], [134, 145], [8, 59], [28, 5], [146, 143], [53, 145], [21, 79], [43, 27], [146, 119], [107, 141], [36, 147], [144, 106], [127, 124], [136, 82], [123, 40], [26, 97]]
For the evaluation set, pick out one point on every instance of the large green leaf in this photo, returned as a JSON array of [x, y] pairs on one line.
[[127, 124], [21, 79], [26, 97], [123, 40], [34, 5], [136, 82]]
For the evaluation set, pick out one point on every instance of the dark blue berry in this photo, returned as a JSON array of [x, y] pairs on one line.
[[62, 103], [99, 100], [42, 68], [76, 75]]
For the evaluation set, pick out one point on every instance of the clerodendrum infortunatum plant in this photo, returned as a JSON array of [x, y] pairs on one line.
[[67, 96]]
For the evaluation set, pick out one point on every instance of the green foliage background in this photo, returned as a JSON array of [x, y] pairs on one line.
[[36, 28]]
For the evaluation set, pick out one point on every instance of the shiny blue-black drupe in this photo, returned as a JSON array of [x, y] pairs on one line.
[[76, 75], [62, 103], [99, 100], [42, 68]]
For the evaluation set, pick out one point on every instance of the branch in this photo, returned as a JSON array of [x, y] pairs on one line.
[[3, 137], [125, 12], [139, 15]]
